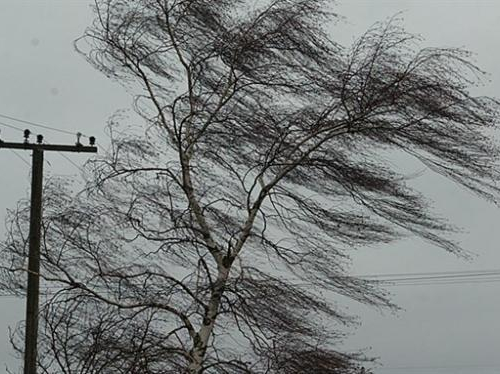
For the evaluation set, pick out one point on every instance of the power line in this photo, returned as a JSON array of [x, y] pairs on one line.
[[20, 157], [10, 126], [466, 277], [429, 273], [49, 290], [36, 124], [478, 281], [437, 367], [71, 161], [441, 277]]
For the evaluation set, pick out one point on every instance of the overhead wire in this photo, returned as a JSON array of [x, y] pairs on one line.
[[53, 289], [438, 278], [474, 281], [386, 275], [71, 161], [416, 279], [20, 157], [36, 124], [11, 126], [437, 367]]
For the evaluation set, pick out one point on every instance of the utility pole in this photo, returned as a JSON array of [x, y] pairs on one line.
[[38, 148]]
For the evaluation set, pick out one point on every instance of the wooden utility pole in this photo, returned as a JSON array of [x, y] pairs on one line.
[[38, 148]]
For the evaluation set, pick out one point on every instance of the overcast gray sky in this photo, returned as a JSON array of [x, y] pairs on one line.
[[441, 329]]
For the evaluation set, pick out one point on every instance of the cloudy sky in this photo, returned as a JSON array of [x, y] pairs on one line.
[[442, 328]]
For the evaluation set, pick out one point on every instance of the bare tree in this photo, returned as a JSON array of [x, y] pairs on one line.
[[215, 236]]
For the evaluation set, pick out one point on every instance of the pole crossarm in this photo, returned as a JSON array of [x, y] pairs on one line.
[[49, 147]]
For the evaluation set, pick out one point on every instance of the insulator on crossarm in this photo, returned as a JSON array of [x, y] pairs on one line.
[[26, 135]]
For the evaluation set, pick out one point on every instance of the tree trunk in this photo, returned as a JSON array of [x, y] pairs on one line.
[[202, 337]]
